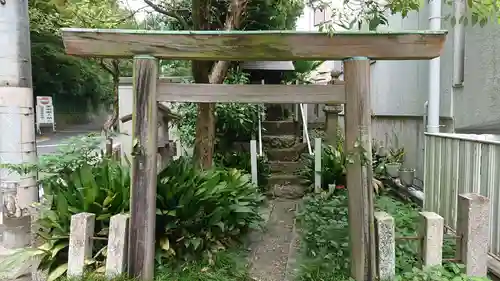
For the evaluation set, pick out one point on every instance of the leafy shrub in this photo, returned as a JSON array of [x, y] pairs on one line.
[[334, 160], [241, 160], [333, 167], [325, 238], [449, 272], [103, 189], [199, 210], [227, 265], [235, 122], [70, 155]]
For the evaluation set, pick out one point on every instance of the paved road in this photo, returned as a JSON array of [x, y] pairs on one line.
[[49, 143]]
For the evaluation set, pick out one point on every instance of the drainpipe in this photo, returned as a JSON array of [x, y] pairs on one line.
[[434, 71], [460, 8]]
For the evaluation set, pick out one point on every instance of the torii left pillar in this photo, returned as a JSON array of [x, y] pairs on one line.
[[141, 247]]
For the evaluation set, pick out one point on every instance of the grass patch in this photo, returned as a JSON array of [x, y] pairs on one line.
[[325, 236], [226, 265]]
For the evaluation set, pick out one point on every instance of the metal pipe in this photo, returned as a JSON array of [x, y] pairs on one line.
[[260, 127], [434, 71], [460, 8], [306, 131], [426, 112]]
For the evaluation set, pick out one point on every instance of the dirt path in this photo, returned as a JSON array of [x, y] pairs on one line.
[[270, 254]]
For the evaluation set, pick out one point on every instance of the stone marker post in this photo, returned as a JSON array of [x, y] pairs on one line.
[[473, 225], [386, 246], [332, 123], [431, 229], [80, 243]]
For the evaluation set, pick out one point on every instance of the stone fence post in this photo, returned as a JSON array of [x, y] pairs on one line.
[[473, 226]]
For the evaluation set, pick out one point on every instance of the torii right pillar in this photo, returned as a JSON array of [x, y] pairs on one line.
[[359, 169]]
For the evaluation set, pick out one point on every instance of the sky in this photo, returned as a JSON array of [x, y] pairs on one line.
[[136, 5], [304, 22]]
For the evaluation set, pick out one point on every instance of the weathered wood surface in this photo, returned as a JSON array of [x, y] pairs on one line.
[[252, 93], [359, 178], [253, 45], [144, 166]]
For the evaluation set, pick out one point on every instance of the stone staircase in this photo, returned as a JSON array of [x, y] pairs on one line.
[[284, 148], [275, 250]]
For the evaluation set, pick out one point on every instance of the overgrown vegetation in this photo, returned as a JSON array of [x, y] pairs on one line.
[[199, 212], [234, 128], [334, 160], [227, 265], [325, 240]]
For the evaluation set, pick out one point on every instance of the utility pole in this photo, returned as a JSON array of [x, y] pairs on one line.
[[17, 126]]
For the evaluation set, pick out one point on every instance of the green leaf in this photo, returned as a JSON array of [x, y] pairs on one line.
[[196, 242], [108, 200], [165, 244], [57, 272], [103, 217], [241, 209], [58, 247], [62, 206]]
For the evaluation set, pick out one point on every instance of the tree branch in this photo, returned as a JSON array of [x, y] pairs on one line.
[[168, 13], [106, 67], [233, 21]]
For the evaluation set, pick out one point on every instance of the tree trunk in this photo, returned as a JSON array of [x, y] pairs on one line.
[[112, 120], [205, 123], [113, 68]]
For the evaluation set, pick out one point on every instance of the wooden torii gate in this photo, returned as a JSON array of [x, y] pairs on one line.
[[354, 48]]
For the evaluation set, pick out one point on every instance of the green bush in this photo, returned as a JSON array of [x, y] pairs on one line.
[[71, 154], [241, 160], [198, 212], [228, 265], [325, 237], [449, 272], [236, 122], [102, 189], [334, 160], [333, 167]]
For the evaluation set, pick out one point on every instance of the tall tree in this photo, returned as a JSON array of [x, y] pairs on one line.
[[76, 84], [222, 15], [100, 14]]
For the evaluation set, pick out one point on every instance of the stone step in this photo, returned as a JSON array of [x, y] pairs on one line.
[[282, 179], [287, 154], [281, 127], [281, 141], [288, 190], [285, 167]]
